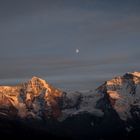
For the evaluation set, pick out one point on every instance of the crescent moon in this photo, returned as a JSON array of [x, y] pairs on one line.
[[77, 51]]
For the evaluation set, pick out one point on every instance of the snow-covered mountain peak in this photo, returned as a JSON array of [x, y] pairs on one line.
[[34, 98], [123, 93]]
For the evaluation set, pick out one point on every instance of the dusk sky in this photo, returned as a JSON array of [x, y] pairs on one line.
[[40, 38]]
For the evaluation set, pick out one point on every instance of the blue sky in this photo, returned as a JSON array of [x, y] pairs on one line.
[[40, 38]]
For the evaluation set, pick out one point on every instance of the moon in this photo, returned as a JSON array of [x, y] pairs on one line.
[[77, 50]]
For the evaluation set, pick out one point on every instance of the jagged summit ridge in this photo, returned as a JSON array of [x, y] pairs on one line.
[[36, 83], [37, 80]]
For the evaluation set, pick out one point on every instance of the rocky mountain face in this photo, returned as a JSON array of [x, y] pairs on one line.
[[113, 109]]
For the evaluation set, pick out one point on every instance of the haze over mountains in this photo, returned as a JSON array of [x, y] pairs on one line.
[[113, 109]]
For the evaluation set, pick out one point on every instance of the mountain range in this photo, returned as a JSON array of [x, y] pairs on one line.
[[36, 108]]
